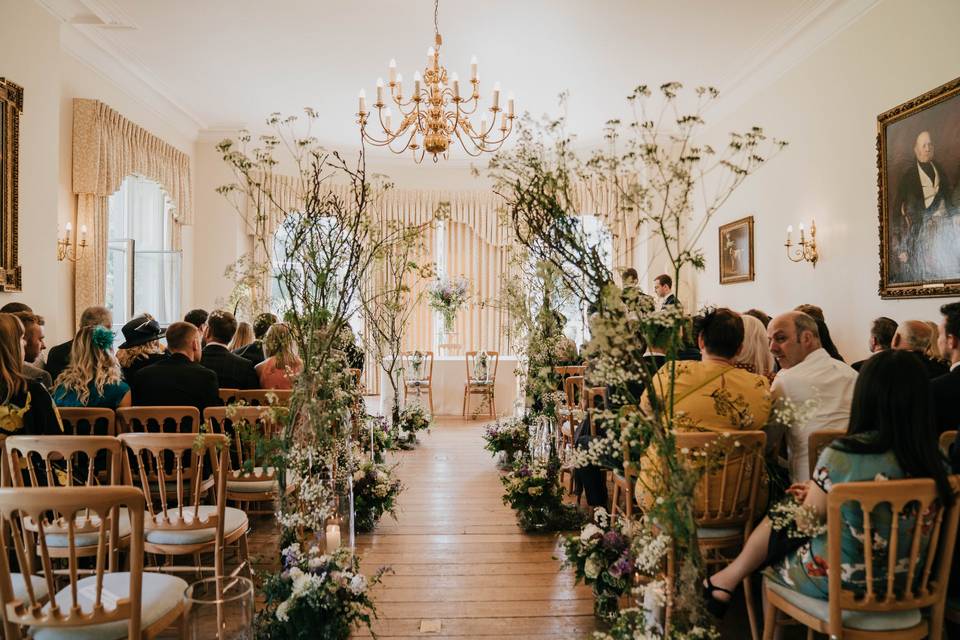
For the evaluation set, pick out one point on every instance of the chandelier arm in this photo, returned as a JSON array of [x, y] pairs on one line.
[[466, 147]]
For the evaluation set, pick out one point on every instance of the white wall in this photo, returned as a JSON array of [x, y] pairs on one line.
[[826, 107]]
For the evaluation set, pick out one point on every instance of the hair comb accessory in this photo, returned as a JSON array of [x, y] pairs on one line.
[[102, 338]]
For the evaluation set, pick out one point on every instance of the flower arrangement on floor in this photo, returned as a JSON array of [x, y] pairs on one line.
[[447, 295], [510, 436], [413, 418], [375, 491], [316, 596], [533, 491]]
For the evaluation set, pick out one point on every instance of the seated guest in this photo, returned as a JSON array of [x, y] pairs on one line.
[[890, 436], [755, 354], [713, 394], [59, 356], [243, 337], [33, 345], [282, 364], [93, 377], [233, 372], [663, 287], [688, 341], [196, 317], [811, 381], [915, 336], [826, 342], [26, 408], [946, 388], [179, 379], [254, 351], [15, 307], [881, 335], [933, 350], [141, 345], [759, 315]]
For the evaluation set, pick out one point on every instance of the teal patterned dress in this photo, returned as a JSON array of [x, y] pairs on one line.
[[805, 570]]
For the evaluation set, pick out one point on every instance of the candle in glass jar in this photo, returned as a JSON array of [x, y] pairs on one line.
[[333, 538]]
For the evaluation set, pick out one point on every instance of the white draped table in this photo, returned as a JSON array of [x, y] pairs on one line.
[[449, 378]]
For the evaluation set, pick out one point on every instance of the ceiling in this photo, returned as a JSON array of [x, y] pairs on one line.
[[224, 64]]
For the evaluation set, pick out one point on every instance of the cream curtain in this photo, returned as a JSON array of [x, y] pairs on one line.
[[107, 148]]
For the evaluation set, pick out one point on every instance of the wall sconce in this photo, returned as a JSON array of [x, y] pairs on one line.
[[806, 250], [64, 244]]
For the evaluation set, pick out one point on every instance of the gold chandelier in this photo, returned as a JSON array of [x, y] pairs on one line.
[[436, 111]]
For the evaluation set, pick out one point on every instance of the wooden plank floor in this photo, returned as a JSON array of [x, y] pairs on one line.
[[459, 557]]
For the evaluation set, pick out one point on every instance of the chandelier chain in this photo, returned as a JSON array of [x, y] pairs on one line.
[[436, 11]]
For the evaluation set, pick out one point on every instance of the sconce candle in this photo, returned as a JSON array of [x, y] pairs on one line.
[[806, 250]]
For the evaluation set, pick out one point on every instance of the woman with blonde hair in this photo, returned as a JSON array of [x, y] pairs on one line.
[[755, 354], [933, 349], [26, 407], [242, 337], [141, 345], [93, 377], [282, 364]]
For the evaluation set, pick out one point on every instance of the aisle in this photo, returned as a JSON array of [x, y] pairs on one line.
[[459, 557]]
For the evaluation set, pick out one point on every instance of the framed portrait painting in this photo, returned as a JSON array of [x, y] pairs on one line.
[[918, 162], [736, 251], [11, 105]]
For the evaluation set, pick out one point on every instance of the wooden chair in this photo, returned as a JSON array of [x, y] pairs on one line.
[[817, 442], [88, 421], [623, 484], [67, 461], [422, 383], [725, 498], [570, 370], [130, 604], [158, 420], [248, 480], [484, 388], [573, 389], [229, 396], [946, 439], [896, 611], [265, 397], [169, 469]]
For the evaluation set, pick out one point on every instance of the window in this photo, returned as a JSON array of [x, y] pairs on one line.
[[143, 269], [577, 328]]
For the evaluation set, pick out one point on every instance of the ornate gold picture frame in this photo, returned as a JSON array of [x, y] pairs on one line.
[[918, 183], [736, 251], [11, 101]]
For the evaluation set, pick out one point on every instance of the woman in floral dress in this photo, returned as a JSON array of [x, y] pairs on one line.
[[890, 436]]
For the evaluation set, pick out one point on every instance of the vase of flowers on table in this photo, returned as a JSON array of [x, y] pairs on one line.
[[447, 295]]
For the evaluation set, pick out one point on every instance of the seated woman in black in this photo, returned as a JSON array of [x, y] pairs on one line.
[[26, 407]]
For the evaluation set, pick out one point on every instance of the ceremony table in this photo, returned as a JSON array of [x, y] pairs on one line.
[[449, 378]]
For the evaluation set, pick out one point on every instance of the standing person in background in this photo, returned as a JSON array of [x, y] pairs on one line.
[[663, 287], [59, 356], [93, 377], [254, 351], [881, 335], [25, 405], [233, 372]]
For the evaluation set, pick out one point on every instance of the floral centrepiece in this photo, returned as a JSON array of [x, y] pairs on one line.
[[447, 295], [509, 436], [316, 596], [533, 490], [375, 491], [414, 418]]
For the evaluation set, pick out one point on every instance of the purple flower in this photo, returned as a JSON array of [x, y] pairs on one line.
[[524, 472], [614, 540], [622, 567]]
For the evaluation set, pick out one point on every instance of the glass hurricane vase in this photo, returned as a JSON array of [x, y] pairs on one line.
[[219, 609]]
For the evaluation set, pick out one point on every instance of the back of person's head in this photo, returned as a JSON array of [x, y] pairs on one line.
[[912, 335], [882, 331], [721, 331], [630, 276], [279, 343], [759, 315], [221, 325], [15, 307], [180, 336], [826, 341], [755, 354], [664, 280], [196, 317], [93, 316], [29, 319], [951, 319], [933, 349], [92, 363], [11, 356], [262, 324], [891, 412], [242, 336], [811, 310]]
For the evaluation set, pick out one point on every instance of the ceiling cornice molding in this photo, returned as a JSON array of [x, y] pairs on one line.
[[785, 46]]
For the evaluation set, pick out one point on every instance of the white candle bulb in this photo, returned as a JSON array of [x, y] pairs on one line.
[[483, 125], [496, 95], [801, 227], [69, 227], [379, 90], [510, 105], [387, 117], [393, 71], [416, 83], [455, 82], [503, 122], [789, 229], [363, 101], [473, 68], [399, 85], [431, 53], [83, 230]]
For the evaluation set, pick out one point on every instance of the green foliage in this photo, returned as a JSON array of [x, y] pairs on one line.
[[533, 490], [375, 491]]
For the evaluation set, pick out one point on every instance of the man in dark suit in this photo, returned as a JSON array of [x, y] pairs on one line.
[[663, 287], [881, 335], [59, 356], [254, 351], [946, 388], [233, 371], [915, 336], [178, 380]]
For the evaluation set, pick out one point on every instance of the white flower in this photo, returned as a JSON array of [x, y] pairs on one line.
[[358, 584], [315, 562], [589, 532], [283, 611], [591, 568]]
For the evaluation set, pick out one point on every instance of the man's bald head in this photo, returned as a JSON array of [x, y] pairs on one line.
[[793, 336], [912, 335]]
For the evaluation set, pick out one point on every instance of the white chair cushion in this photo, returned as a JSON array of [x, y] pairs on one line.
[[712, 533], [233, 519], [566, 430], [257, 486], [20, 587], [863, 620], [90, 538], [162, 594]]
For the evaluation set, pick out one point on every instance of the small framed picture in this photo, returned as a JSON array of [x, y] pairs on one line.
[[736, 251]]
